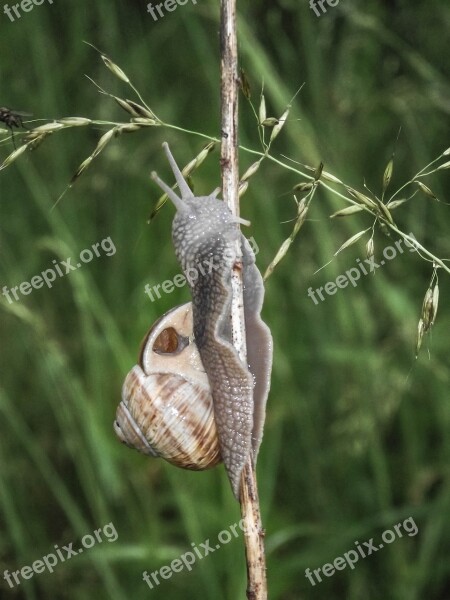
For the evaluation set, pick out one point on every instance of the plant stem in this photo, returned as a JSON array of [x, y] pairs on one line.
[[254, 536]]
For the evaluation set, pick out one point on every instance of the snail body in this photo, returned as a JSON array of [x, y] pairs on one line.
[[205, 232]]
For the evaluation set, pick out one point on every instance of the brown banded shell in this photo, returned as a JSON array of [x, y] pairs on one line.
[[166, 408]]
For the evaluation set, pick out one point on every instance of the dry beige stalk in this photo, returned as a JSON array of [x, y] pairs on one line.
[[254, 541]]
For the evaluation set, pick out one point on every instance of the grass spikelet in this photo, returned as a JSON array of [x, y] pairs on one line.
[[419, 336], [279, 125], [251, 170], [304, 186], [84, 165], [189, 168], [75, 121], [204, 153], [278, 256], [351, 240], [318, 172], [361, 198], [140, 110], [387, 176], [426, 190], [127, 128], [384, 212], [126, 106], [262, 109], [13, 156], [393, 204], [370, 248], [302, 211], [345, 212], [269, 122], [244, 84], [429, 309], [48, 128], [243, 185], [144, 122], [115, 69], [329, 177], [104, 141]]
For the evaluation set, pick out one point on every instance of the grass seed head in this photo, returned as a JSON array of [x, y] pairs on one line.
[[140, 110], [126, 106], [370, 248], [419, 336], [303, 186], [48, 128], [262, 110], [395, 203], [269, 122], [115, 69], [243, 185], [329, 177], [426, 190], [361, 198], [352, 240], [75, 121], [245, 84], [279, 255], [279, 125], [251, 170], [204, 153], [387, 176], [128, 128], [187, 170], [318, 172], [345, 212], [144, 122], [13, 156], [426, 309], [104, 140], [84, 165]]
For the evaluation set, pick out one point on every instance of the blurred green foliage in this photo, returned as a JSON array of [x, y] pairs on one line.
[[357, 435]]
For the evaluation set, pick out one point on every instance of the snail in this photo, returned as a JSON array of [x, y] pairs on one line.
[[197, 352]]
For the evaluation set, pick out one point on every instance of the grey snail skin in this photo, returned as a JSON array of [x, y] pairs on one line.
[[205, 232]]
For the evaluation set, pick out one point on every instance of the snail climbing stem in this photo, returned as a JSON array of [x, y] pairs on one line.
[[204, 231]]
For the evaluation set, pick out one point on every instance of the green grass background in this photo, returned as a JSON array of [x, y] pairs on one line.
[[357, 434]]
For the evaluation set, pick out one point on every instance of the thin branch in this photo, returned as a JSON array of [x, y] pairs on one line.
[[254, 538]]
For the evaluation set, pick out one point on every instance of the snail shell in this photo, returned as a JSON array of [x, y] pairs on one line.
[[166, 408]]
